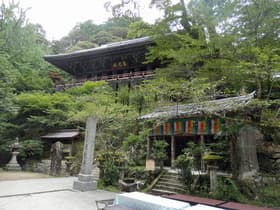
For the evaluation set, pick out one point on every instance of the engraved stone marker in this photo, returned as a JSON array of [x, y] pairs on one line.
[[248, 164], [86, 180]]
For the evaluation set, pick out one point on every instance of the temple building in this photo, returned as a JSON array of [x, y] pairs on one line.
[[195, 122], [119, 62], [124, 63]]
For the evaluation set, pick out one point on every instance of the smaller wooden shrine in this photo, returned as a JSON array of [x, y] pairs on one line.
[[66, 136], [197, 122]]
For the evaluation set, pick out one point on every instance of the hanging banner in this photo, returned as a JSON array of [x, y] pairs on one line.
[[187, 127], [166, 128]]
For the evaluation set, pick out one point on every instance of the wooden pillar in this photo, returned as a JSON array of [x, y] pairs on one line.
[[234, 158], [149, 148], [202, 163], [173, 151]]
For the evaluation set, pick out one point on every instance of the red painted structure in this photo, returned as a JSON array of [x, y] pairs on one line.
[[193, 200]]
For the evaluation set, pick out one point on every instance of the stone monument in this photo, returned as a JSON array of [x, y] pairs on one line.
[[247, 153], [13, 164], [56, 158], [86, 180]]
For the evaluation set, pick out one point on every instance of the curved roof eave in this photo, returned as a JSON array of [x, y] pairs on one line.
[[102, 49], [194, 109]]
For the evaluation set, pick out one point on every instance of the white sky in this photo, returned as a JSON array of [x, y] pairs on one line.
[[58, 17]]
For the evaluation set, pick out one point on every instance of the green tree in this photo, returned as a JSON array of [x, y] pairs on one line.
[[135, 148], [22, 45], [39, 112], [159, 151]]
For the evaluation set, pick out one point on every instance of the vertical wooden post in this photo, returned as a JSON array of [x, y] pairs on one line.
[[173, 151], [149, 147], [202, 163], [234, 158]]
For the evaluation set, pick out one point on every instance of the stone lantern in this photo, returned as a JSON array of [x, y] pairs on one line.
[[13, 164]]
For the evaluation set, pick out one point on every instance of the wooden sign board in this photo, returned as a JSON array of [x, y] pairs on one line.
[[150, 165]]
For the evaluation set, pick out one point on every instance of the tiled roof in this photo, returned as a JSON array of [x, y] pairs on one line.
[[101, 49], [202, 108], [63, 134]]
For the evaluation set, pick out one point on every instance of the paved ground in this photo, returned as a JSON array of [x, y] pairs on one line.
[[8, 175], [47, 194]]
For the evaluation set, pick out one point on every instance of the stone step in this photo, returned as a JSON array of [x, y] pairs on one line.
[[171, 180], [95, 172], [171, 176], [170, 188], [169, 183], [162, 192]]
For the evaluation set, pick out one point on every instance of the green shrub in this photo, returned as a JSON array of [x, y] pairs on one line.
[[184, 163], [159, 151], [30, 150], [135, 148], [110, 174], [78, 149], [137, 172], [228, 190], [109, 163]]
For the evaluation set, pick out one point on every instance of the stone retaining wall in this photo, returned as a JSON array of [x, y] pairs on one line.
[[43, 167], [269, 158]]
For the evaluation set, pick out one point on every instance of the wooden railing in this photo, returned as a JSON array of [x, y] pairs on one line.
[[126, 76]]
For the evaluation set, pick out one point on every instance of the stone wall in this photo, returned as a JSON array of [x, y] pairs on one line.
[[269, 158], [43, 166]]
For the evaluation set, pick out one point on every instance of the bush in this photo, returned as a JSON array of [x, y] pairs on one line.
[[137, 172], [135, 148], [30, 150], [5, 153], [109, 163], [159, 151], [110, 173], [78, 149], [228, 190], [184, 163]]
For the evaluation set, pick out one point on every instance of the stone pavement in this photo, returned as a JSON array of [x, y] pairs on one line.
[[48, 194]]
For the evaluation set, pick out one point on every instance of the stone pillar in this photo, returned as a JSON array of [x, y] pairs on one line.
[[213, 177], [86, 180], [173, 151]]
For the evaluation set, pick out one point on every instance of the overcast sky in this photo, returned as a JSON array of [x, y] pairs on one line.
[[58, 17]]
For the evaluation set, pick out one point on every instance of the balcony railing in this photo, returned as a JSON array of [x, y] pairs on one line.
[[116, 77]]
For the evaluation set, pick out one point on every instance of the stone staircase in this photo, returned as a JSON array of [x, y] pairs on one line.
[[95, 172], [169, 183]]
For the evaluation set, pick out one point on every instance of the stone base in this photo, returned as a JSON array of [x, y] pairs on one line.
[[248, 175], [13, 167], [84, 186], [85, 183]]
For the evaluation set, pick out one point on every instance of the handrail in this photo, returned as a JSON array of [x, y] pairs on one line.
[[124, 76]]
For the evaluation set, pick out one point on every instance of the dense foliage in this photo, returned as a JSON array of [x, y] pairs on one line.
[[211, 49]]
